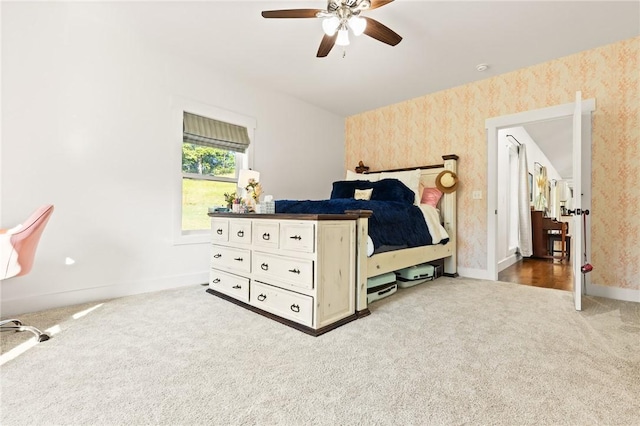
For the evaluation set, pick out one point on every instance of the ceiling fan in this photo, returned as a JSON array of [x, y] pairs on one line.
[[338, 18]]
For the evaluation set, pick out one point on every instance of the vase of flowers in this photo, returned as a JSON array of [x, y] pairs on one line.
[[254, 189], [541, 200], [230, 198]]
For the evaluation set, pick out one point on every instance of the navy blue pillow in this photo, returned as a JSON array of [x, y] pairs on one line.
[[383, 190], [392, 190]]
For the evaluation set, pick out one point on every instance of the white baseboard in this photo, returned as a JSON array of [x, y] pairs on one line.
[[617, 293], [508, 261], [14, 307], [481, 274], [17, 306]]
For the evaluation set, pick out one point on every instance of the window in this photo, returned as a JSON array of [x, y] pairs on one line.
[[207, 174], [215, 146]]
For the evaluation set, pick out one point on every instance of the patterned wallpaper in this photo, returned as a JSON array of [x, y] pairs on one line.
[[419, 131]]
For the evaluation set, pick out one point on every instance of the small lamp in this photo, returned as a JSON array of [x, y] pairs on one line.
[[244, 176]]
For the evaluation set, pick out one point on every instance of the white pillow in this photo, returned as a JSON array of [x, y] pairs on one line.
[[411, 178], [371, 177], [363, 194]]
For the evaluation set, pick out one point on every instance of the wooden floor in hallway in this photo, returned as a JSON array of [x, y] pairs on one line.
[[546, 273]]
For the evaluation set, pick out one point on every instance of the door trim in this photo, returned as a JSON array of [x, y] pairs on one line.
[[492, 125]]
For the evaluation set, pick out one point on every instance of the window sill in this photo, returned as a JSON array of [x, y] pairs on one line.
[[193, 237]]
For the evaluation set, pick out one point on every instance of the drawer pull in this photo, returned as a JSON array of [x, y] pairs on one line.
[[266, 236], [216, 281], [217, 256], [239, 259], [262, 297], [294, 271], [296, 237], [219, 231], [237, 286], [295, 308], [240, 233], [264, 266]]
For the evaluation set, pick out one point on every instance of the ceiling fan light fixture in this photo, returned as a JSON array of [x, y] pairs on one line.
[[357, 25], [338, 19], [330, 25], [343, 36]]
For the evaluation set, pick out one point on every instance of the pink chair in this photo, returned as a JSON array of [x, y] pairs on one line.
[[17, 252]]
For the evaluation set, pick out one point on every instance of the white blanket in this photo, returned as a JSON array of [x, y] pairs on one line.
[[432, 218]]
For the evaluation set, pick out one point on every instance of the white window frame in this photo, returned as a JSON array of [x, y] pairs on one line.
[[179, 107]]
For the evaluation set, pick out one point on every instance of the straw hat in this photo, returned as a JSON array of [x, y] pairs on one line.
[[447, 181]]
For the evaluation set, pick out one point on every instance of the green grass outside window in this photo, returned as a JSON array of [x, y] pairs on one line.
[[197, 197]]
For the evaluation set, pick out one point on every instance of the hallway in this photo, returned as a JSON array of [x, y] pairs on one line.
[[539, 273]]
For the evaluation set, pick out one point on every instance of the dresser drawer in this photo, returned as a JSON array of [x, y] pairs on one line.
[[284, 303], [240, 231], [229, 284], [297, 236], [266, 233], [219, 230], [297, 272], [231, 258]]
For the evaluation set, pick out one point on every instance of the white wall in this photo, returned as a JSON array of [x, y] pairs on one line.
[[534, 153], [86, 126]]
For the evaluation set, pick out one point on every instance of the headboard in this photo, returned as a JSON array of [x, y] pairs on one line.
[[428, 173]]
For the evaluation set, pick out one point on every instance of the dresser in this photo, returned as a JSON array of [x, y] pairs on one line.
[[296, 269]]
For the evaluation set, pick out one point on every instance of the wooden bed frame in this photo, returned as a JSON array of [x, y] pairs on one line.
[[381, 263]]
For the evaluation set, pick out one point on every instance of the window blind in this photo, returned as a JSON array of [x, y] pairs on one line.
[[216, 134]]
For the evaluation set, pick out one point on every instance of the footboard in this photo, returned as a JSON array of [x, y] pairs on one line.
[[385, 262]]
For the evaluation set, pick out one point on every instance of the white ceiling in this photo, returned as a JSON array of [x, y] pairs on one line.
[[442, 43], [555, 140]]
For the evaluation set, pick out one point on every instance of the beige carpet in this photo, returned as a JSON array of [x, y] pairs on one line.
[[454, 351]]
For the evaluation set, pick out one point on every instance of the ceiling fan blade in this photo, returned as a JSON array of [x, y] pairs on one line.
[[326, 45], [378, 3], [381, 32], [291, 13]]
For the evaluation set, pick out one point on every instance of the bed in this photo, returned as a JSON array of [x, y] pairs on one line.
[[382, 204]]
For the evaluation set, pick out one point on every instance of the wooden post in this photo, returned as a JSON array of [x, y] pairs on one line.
[[362, 233], [449, 213]]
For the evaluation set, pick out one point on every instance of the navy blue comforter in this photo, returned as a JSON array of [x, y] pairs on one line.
[[393, 224]]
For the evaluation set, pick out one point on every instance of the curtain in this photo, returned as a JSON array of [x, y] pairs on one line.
[[524, 209]]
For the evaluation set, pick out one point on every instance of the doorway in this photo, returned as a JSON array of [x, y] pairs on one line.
[[548, 146], [493, 125]]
